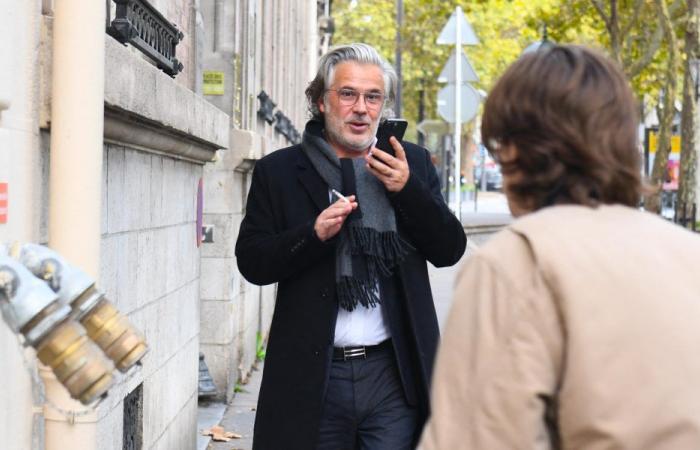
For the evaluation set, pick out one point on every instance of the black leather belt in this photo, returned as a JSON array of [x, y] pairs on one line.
[[360, 351]]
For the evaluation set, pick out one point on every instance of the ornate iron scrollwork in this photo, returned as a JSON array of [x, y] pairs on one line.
[[283, 124], [266, 107], [138, 23]]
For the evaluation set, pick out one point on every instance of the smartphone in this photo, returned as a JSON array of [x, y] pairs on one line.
[[390, 127]]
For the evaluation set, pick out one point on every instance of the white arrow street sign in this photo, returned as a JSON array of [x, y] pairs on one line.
[[448, 72], [448, 35]]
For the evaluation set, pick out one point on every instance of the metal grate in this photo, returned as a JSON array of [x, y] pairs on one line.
[[133, 420], [141, 25]]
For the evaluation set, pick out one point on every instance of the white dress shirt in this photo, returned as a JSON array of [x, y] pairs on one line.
[[361, 326]]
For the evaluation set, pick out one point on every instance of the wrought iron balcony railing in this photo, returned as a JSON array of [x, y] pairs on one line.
[[138, 23]]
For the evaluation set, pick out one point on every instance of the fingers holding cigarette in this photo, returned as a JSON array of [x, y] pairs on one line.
[[331, 219], [340, 196]]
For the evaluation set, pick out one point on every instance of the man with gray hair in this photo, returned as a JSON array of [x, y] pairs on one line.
[[345, 229]]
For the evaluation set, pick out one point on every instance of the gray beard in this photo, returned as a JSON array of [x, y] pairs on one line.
[[346, 144]]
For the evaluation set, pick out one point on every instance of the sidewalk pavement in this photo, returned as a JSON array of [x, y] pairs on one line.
[[239, 416]]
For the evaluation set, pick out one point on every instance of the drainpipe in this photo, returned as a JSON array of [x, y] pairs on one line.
[[75, 182]]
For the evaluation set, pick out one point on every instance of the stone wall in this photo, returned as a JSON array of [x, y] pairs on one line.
[[150, 270], [158, 135]]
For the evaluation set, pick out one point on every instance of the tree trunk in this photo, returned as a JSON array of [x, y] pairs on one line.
[[653, 202], [689, 156]]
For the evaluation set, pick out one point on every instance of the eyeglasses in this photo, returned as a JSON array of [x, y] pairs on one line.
[[348, 97], [494, 144]]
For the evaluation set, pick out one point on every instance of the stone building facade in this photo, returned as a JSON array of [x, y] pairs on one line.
[[162, 135], [256, 47]]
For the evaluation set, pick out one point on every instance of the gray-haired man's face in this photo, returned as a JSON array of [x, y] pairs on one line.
[[350, 129]]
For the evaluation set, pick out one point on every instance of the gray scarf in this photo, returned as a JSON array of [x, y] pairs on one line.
[[368, 242]]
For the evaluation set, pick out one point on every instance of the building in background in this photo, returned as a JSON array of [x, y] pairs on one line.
[[237, 96], [257, 58]]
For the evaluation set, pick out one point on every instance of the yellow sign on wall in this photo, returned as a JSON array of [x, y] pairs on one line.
[[213, 82], [654, 142]]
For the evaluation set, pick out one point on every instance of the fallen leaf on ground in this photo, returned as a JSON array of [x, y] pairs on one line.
[[218, 434]]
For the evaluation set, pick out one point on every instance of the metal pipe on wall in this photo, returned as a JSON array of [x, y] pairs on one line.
[[75, 181], [77, 129]]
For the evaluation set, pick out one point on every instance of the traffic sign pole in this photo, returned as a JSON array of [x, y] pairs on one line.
[[458, 117], [456, 29]]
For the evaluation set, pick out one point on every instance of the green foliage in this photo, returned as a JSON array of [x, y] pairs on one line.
[[259, 347], [505, 28], [578, 21]]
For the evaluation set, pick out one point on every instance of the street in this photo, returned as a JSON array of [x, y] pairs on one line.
[[487, 202]]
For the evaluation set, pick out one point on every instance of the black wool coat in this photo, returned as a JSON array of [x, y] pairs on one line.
[[277, 244]]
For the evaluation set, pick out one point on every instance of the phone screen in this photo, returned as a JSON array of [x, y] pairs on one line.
[[390, 127]]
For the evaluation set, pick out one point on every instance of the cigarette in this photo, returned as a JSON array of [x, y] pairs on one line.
[[340, 196]]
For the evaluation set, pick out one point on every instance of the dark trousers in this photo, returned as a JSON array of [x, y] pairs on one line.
[[365, 407]]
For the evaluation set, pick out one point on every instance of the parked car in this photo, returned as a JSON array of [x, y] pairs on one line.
[[492, 173]]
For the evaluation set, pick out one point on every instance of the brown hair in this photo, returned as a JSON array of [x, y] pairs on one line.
[[573, 120]]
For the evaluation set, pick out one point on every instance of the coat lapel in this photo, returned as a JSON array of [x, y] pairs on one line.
[[314, 185]]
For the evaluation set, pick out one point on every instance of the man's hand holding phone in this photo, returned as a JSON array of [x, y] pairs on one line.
[[392, 171]]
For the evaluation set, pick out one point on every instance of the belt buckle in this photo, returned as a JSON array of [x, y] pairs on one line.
[[354, 352]]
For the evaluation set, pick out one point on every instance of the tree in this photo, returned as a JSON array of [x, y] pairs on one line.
[[641, 36], [689, 156], [667, 109], [504, 28], [629, 31]]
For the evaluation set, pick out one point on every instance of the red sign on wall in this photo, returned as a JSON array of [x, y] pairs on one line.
[[3, 202]]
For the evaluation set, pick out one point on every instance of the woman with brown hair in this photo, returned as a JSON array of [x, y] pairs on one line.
[[577, 327]]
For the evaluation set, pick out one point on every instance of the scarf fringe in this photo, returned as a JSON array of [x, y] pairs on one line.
[[384, 250], [352, 291]]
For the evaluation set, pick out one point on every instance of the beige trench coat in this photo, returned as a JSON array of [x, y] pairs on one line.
[[575, 328]]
